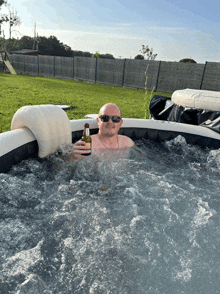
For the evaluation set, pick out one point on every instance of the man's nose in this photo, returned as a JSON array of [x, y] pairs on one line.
[[110, 119]]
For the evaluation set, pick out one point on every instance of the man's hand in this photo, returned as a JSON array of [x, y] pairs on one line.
[[79, 148]]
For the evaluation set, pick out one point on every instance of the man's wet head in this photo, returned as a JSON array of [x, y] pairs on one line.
[[109, 120]]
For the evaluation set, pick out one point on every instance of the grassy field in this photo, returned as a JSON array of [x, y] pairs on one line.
[[84, 98]]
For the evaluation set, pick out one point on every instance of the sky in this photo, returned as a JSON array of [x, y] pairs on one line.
[[174, 29]]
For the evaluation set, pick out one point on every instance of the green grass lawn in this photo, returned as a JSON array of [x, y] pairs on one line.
[[84, 98]]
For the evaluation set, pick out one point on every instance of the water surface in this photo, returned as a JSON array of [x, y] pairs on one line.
[[146, 224]]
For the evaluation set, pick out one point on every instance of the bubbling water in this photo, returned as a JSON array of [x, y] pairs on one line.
[[145, 224]]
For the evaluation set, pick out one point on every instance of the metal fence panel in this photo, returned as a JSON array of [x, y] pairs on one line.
[[178, 75], [135, 73], [17, 62], [161, 76], [46, 66], [211, 79], [64, 67], [85, 69], [110, 71], [31, 65]]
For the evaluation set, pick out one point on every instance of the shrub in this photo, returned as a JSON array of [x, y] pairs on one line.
[[187, 60], [139, 56]]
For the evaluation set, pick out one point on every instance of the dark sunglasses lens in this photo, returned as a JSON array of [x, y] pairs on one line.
[[116, 119], [104, 118]]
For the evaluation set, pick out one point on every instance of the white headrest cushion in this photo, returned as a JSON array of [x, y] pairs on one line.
[[49, 124], [199, 99]]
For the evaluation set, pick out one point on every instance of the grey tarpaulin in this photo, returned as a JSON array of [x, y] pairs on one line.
[[162, 108]]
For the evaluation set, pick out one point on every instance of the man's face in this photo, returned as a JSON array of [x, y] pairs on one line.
[[109, 128]]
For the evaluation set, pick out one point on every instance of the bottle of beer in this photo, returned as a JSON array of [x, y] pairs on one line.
[[86, 138]]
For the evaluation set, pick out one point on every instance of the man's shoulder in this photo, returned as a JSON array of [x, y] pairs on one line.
[[125, 141]]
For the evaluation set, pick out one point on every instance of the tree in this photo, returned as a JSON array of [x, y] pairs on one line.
[[96, 55], [139, 56], [9, 44], [52, 46], [2, 2], [107, 56], [12, 17], [49, 46], [146, 51], [25, 42], [187, 60], [86, 54], [2, 16]]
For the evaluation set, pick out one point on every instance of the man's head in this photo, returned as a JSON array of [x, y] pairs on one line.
[[109, 126]]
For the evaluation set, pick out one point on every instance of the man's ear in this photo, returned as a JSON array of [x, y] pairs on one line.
[[98, 121]]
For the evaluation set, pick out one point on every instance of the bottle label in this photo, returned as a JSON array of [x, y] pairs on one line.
[[87, 132], [89, 145]]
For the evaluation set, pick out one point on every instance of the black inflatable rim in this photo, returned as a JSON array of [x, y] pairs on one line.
[[30, 149]]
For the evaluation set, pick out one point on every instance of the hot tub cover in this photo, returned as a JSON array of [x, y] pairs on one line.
[[200, 99], [162, 108]]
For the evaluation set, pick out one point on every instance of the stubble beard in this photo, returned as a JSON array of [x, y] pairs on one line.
[[109, 134], [107, 129]]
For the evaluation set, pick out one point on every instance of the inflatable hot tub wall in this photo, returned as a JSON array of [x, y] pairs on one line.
[[37, 131]]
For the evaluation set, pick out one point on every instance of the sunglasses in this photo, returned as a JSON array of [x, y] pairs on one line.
[[114, 118]]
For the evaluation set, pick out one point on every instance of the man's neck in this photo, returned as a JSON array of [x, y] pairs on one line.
[[109, 141]]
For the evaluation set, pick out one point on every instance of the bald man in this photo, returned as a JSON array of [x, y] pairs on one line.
[[109, 122]]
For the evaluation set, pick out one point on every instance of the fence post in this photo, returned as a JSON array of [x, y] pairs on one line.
[[11, 59], [123, 73], [24, 63], [96, 65], [73, 67], [54, 67], [38, 70], [203, 74], [157, 80]]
